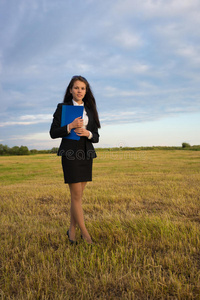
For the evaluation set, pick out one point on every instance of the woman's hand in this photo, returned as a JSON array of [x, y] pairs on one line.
[[77, 123], [82, 132]]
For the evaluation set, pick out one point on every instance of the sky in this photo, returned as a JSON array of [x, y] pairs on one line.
[[141, 58]]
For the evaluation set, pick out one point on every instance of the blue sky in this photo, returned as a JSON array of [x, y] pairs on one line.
[[141, 58]]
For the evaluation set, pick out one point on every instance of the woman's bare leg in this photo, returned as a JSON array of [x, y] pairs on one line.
[[72, 228], [76, 190], [83, 184], [73, 221]]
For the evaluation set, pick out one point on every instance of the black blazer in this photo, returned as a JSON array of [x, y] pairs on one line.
[[71, 146]]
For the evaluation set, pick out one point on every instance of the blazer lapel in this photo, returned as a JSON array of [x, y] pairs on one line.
[[89, 114], [69, 102]]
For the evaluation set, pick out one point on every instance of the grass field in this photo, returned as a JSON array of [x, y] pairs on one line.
[[142, 209]]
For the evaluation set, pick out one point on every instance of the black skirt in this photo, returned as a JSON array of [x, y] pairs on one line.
[[76, 166]]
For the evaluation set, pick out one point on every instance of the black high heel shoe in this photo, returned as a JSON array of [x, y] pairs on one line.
[[71, 241]]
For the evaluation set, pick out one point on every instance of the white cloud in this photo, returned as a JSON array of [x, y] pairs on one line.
[[176, 43], [127, 39], [159, 8], [38, 140], [114, 92], [28, 120], [37, 118], [39, 136], [190, 53]]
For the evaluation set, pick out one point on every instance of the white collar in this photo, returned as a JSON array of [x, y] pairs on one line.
[[76, 104]]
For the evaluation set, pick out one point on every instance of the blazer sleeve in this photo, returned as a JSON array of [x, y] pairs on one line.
[[92, 127], [95, 134], [56, 131]]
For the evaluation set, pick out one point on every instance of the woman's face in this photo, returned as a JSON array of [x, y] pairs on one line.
[[78, 91]]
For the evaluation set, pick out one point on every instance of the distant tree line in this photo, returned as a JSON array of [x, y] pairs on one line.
[[23, 150], [185, 146]]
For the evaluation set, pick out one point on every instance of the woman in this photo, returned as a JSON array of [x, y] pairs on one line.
[[77, 155]]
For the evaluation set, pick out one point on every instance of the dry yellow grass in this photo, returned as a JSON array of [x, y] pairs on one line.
[[142, 209]]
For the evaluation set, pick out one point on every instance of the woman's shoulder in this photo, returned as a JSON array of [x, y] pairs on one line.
[[60, 105], [64, 103]]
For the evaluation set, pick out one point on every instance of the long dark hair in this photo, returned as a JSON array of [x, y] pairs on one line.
[[88, 100]]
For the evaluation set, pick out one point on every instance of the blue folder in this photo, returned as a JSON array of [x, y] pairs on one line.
[[69, 113]]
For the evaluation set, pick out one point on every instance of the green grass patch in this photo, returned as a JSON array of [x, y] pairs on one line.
[[142, 210]]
